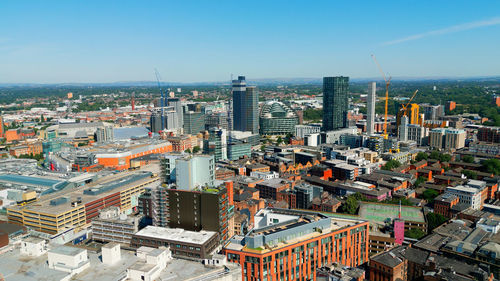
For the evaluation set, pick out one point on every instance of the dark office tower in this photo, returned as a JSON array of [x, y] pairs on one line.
[[245, 106], [252, 110], [335, 102]]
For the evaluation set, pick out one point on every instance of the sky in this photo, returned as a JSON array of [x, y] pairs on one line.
[[208, 40]]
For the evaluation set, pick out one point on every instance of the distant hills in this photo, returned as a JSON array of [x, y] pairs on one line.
[[263, 82]]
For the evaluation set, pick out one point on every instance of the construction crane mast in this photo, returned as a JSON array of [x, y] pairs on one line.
[[161, 99], [387, 83], [405, 107]]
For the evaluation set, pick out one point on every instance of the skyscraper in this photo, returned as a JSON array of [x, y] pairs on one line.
[[177, 105], [370, 107], [335, 102], [245, 106]]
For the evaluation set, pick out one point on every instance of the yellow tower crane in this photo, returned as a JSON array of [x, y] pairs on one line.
[[387, 83]]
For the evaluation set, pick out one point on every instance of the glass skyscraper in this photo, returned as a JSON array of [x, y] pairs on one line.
[[245, 106], [335, 102]]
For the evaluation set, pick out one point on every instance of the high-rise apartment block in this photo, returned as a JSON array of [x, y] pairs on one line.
[[291, 244], [441, 138], [245, 106], [195, 171], [370, 108], [335, 102]]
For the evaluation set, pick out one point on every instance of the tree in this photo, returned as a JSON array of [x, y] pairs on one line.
[[279, 140], [188, 150], [391, 164], [196, 149], [350, 205], [419, 181], [421, 156], [445, 157], [430, 194], [263, 148], [434, 220], [414, 233], [491, 166], [470, 174], [434, 155], [468, 159]]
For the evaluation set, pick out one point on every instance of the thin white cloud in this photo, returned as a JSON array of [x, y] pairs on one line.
[[451, 29]]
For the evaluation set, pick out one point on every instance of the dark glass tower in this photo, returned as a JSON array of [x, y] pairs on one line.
[[335, 102], [245, 106]]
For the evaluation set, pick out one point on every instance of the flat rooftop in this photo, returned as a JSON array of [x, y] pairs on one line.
[[29, 181], [66, 250], [109, 185], [176, 234], [379, 213]]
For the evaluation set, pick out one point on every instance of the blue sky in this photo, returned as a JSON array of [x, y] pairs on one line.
[[193, 41]]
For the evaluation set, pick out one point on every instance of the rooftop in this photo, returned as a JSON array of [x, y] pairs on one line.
[[66, 250], [176, 234]]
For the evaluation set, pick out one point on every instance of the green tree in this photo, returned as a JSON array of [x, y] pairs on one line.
[[434, 155], [467, 159], [434, 220], [444, 157], [419, 181], [491, 166], [263, 148], [430, 194], [196, 149], [470, 174], [188, 150], [414, 233], [421, 156], [391, 164], [350, 205], [279, 140]]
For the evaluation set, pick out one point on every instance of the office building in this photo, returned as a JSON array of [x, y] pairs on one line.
[[194, 171], [183, 243], [335, 91], [176, 104], [216, 144], [194, 122], [217, 119], [245, 106], [237, 149], [276, 118], [431, 112], [294, 243], [371, 99]]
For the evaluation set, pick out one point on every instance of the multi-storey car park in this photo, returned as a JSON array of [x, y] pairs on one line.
[[294, 243], [75, 208]]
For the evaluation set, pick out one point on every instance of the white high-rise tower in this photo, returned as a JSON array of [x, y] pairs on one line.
[[370, 108]]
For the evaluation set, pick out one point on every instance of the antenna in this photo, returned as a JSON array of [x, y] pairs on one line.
[[158, 78]]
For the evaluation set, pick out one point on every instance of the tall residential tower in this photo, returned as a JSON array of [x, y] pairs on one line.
[[370, 108], [335, 102]]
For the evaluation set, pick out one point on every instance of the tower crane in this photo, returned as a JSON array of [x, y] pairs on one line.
[[405, 107], [387, 83]]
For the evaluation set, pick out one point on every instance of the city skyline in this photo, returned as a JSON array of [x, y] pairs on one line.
[[194, 42]]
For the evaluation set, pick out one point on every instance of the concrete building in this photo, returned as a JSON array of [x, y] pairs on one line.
[[104, 134], [302, 130], [152, 262], [335, 91], [111, 253], [68, 259], [284, 242], [370, 108], [467, 195], [183, 243], [195, 171], [441, 138], [33, 247], [113, 226]]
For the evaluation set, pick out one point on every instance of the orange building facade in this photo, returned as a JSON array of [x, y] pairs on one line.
[[120, 160], [298, 258]]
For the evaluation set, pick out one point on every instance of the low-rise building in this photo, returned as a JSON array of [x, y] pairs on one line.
[[113, 226]]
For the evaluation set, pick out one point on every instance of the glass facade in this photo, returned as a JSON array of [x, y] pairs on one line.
[[245, 106], [335, 102]]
